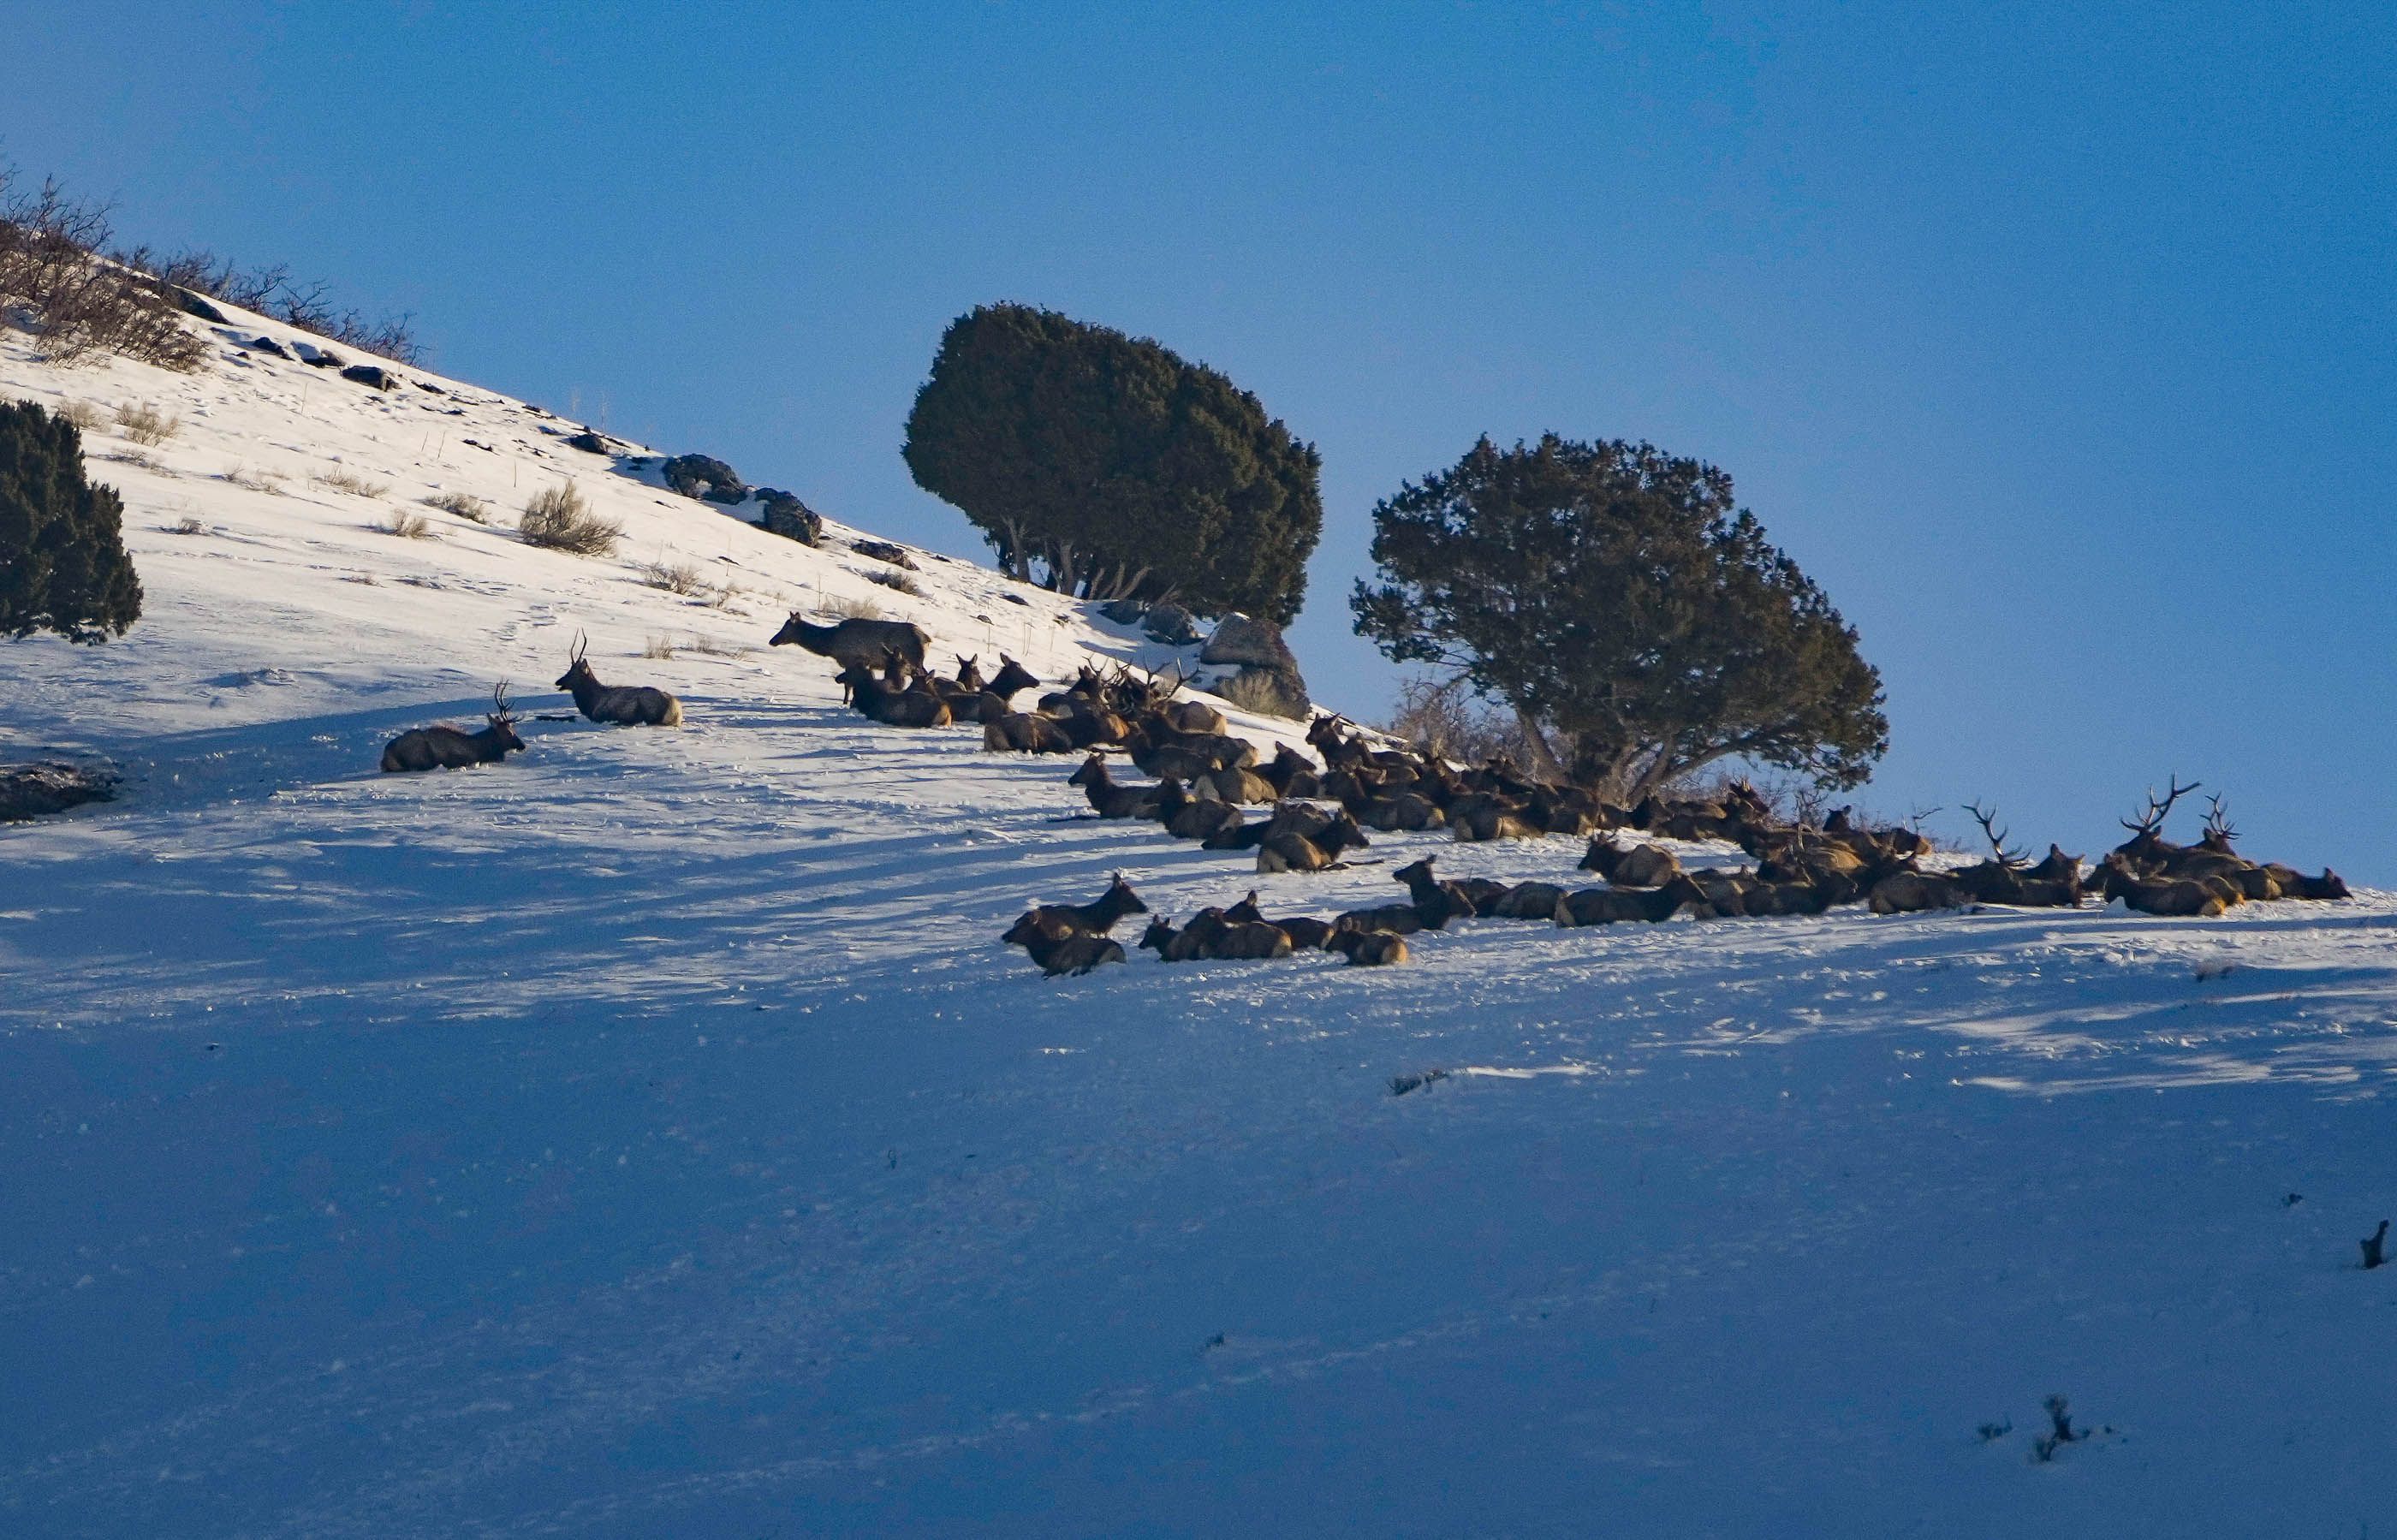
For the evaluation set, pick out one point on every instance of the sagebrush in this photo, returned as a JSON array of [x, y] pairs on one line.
[[559, 519]]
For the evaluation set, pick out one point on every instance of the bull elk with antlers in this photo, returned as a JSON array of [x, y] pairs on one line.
[[623, 705], [447, 747]]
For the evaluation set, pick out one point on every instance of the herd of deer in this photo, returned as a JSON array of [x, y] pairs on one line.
[[1205, 777]]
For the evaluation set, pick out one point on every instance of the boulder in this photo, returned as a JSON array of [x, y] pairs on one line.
[[269, 345], [1171, 624], [1125, 611], [194, 304], [882, 550], [787, 516], [373, 375], [1240, 640], [702, 476], [320, 358], [38, 790], [589, 442]]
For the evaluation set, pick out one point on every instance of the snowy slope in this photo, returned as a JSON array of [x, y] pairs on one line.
[[648, 1137]]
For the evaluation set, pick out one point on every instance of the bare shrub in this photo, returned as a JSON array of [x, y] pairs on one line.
[[559, 519], [1257, 693], [680, 578], [274, 291], [658, 647], [851, 609], [406, 524], [133, 457], [83, 414], [187, 525], [74, 298], [473, 510], [350, 481], [142, 424], [710, 646], [898, 583], [1444, 720], [269, 482]]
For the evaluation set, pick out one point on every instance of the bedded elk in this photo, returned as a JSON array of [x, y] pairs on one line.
[[627, 705], [1077, 954], [2006, 877], [1368, 948], [856, 641], [1107, 798], [1096, 918], [912, 707], [1025, 733], [1213, 935], [445, 747], [1316, 853], [1159, 750], [1307, 933], [1467, 898], [1618, 905], [1290, 774], [1639, 866]]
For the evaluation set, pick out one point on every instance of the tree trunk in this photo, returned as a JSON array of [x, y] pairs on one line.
[[1545, 763]]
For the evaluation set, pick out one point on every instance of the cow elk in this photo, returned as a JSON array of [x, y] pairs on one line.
[[857, 641]]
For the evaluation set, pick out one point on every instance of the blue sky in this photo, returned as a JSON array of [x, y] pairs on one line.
[[2059, 342]]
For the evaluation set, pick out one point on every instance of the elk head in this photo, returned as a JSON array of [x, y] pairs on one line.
[[578, 672], [2147, 829], [503, 721], [2220, 831]]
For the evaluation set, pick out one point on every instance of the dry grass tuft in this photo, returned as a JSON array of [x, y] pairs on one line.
[[560, 519], [659, 647], [187, 525], [406, 524], [680, 578], [850, 610], [350, 481], [473, 509], [269, 482], [142, 424], [897, 581]]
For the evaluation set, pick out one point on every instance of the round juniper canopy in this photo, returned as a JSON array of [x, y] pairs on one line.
[[1636, 620], [63, 561], [1120, 469]]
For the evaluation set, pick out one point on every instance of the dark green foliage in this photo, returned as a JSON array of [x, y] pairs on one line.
[[1121, 469], [1638, 621], [63, 561]]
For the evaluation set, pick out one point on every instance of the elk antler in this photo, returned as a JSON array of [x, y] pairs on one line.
[[2152, 820], [500, 701], [2218, 819], [1996, 836], [582, 646]]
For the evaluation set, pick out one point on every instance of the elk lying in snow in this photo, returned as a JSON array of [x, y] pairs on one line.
[[1399, 920], [1305, 932], [2152, 875], [913, 707], [1077, 953], [1368, 948], [2006, 877], [857, 642], [1096, 918], [1316, 853], [1615, 905], [1108, 799], [1025, 733], [627, 705], [1187, 817], [454, 748], [1213, 936], [1465, 900], [1640, 867]]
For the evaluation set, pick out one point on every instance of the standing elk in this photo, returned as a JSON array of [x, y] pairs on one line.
[[447, 747], [856, 641], [624, 705]]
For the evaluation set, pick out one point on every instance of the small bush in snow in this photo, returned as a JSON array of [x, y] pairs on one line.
[[681, 577], [83, 414], [187, 525], [473, 510], [897, 581], [407, 525], [142, 424], [850, 610], [2059, 1433], [268, 482], [659, 647], [350, 481], [560, 519]]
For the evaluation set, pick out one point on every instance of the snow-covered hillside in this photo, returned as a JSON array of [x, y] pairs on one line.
[[649, 1136]]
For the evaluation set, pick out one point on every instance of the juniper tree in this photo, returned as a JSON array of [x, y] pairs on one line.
[[1635, 619], [1118, 467], [62, 562]]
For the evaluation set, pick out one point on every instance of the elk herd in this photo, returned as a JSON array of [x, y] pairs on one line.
[[1205, 780], [1794, 869]]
